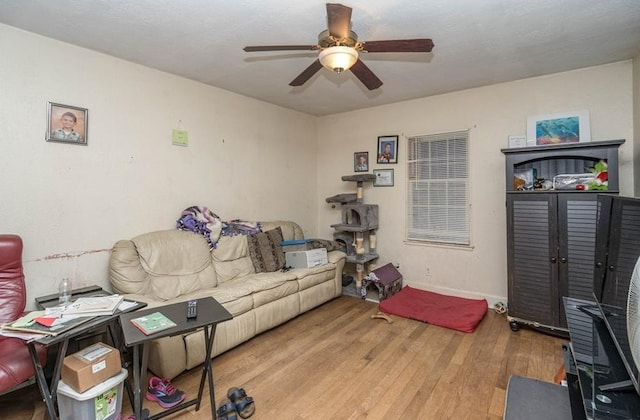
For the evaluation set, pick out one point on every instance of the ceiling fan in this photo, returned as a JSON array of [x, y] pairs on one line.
[[339, 48]]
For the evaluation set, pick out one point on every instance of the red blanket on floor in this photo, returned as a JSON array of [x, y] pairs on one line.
[[446, 311]]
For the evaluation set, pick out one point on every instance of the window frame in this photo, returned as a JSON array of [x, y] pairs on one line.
[[442, 181]]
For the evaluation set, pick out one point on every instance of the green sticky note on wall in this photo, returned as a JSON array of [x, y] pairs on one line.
[[180, 137]]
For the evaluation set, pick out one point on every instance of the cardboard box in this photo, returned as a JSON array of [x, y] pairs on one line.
[[306, 259], [90, 366]]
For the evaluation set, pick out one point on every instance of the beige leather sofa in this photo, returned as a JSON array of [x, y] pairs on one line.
[[172, 266]]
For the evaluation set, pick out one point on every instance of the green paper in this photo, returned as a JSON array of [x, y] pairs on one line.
[[27, 320], [180, 137]]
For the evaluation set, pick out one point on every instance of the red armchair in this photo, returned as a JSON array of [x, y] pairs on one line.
[[16, 366]]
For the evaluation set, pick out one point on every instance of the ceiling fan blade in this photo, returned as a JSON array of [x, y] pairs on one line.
[[365, 75], [306, 74], [338, 20], [252, 48], [400, 45]]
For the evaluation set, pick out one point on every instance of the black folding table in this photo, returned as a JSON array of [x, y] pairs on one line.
[[48, 391], [210, 313]]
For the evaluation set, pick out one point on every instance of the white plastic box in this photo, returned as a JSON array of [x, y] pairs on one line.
[[297, 245], [306, 259], [102, 402]]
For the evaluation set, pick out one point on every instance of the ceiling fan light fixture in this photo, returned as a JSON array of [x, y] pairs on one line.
[[338, 58]]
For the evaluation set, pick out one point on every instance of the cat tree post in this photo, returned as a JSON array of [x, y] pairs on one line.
[[359, 192], [361, 220]]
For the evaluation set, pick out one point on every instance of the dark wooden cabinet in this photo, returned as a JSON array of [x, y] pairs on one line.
[[551, 234], [618, 247]]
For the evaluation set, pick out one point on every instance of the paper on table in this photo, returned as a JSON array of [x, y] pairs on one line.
[[58, 327], [21, 335], [96, 305], [127, 304], [46, 320], [28, 319]]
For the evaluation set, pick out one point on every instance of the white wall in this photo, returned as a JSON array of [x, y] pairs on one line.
[[491, 113], [251, 160], [71, 203]]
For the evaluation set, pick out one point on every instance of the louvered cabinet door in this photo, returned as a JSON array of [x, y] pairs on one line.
[[577, 226], [623, 248], [532, 255]]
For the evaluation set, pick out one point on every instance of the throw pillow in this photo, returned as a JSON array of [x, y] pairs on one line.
[[265, 250]]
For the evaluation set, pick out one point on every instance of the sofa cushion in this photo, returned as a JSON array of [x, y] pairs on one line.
[[258, 282], [267, 287], [309, 277], [266, 251], [176, 263], [230, 248], [172, 252], [231, 259], [229, 270]]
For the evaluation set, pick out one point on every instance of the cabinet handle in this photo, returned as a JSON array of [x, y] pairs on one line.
[[599, 264], [554, 260], [612, 268], [563, 260]]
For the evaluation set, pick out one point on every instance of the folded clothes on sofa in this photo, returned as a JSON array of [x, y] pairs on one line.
[[201, 220]]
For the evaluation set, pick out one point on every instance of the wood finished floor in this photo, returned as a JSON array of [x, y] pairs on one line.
[[335, 362]]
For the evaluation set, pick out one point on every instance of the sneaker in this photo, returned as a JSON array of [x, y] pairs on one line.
[[161, 391]]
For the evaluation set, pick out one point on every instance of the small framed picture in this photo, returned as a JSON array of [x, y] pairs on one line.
[[67, 124], [550, 129], [384, 178], [361, 161], [388, 149]]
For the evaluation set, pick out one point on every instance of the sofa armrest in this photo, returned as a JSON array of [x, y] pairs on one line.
[[125, 270], [335, 256]]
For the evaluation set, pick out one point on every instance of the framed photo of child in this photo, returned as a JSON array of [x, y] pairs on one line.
[[360, 161], [388, 149], [67, 124]]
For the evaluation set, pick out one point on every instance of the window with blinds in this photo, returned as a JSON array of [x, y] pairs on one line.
[[438, 188]]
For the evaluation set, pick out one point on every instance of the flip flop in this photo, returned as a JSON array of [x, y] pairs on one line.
[[227, 411], [245, 407]]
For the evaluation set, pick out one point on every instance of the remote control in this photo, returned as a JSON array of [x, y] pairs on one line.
[[192, 309]]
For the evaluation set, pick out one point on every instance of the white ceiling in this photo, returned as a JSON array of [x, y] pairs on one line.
[[477, 42]]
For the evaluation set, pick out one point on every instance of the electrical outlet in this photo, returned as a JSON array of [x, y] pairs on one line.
[[428, 272]]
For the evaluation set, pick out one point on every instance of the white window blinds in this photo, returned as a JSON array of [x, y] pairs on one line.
[[438, 188]]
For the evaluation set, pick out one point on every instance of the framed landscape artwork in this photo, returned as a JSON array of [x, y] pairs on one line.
[[568, 127]]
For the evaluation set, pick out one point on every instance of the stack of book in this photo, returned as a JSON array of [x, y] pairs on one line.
[[56, 320], [153, 323], [38, 323], [93, 306]]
